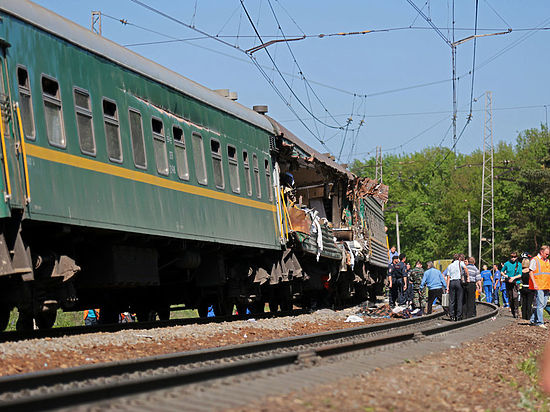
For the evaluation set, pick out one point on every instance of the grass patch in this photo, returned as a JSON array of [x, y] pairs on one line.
[[532, 398], [69, 319]]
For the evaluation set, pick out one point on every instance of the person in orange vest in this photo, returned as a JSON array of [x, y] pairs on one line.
[[91, 317], [539, 281]]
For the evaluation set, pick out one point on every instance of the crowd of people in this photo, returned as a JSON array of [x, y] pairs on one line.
[[521, 281]]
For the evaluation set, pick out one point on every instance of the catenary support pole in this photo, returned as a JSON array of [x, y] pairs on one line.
[[397, 232], [469, 234]]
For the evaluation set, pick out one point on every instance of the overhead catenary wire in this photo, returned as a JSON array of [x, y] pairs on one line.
[[429, 21], [389, 91], [192, 27], [473, 62], [497, 14], [284, 79], [173, 39], [536, 106], [349, 120], [298, 66], [241, 50]]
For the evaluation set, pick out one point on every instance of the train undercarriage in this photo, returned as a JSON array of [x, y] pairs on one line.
[[74, 268]]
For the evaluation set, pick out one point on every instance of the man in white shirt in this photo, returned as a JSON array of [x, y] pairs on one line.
[[454, 288]]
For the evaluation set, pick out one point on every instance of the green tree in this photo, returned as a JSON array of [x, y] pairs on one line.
[[432, 197]]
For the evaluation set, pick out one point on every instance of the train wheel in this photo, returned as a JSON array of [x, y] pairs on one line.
[[242, 308], [4, 317], [286, 298], [24, 322], [146, 315], [273, 304], [224, 307], [164, 313], [257, 307], [203, 309], [46, 319], [108, 315]]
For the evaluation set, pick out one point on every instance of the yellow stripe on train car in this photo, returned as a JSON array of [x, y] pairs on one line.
[[112, 170]]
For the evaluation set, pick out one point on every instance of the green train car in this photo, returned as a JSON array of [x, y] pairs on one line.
[[126, 185]]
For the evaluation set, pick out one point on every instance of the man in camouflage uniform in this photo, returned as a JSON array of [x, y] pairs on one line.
[[415, 278]]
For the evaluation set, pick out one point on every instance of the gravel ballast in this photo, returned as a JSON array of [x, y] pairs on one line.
[[43, 354], [496, 372]]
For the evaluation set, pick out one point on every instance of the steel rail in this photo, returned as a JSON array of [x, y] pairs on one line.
[[73, 397]]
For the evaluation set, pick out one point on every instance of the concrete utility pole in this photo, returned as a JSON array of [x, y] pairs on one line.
[[96, 22], [469, 233], [379, 164], [397, 232], [487, 218]]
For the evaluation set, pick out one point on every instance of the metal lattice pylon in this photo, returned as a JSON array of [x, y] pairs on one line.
[[487, 218]]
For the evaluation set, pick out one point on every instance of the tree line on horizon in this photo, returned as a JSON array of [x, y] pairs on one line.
[[432, 197]]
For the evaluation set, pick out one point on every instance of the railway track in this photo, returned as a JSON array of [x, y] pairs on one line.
[[79, 386], [16, 336]]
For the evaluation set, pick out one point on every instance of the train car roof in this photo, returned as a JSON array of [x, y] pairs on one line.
[[61, 27], [323, 158]]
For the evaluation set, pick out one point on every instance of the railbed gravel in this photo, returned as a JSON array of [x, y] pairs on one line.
[[113, 380], [51, 353]]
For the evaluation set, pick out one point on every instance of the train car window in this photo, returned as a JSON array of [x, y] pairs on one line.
[[25, 100], [181, 153], [52, 112], [84, 125], [216, 152], [198, 157], [247, 173], [268, 185], [112, 132], [138, 142], [234, 180], [159, 144], [256, 175]]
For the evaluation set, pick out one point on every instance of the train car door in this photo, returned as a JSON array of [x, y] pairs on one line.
[[12, 182]]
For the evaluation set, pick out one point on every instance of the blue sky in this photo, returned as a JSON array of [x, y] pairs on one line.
[[383, 65]]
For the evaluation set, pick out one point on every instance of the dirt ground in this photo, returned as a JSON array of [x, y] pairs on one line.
[[498, 372]]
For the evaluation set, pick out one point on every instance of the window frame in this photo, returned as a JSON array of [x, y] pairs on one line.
[[203, 160], [84, 112], [57, 101], [268, 181], [233, 161], [219, 157], [162, 138], [246, 167], [28, 92], [181, 144], [132, 109], [113, 121], [257, 179]]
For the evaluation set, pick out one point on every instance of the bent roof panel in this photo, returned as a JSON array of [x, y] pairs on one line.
[[287, 134]]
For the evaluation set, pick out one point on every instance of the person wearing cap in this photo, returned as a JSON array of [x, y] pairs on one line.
[[393, 252], [527, 295], [539, 281], [511, 273], [397, 282], [415, 279]]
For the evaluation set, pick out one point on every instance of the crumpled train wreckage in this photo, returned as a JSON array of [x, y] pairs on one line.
[[330, 221]]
